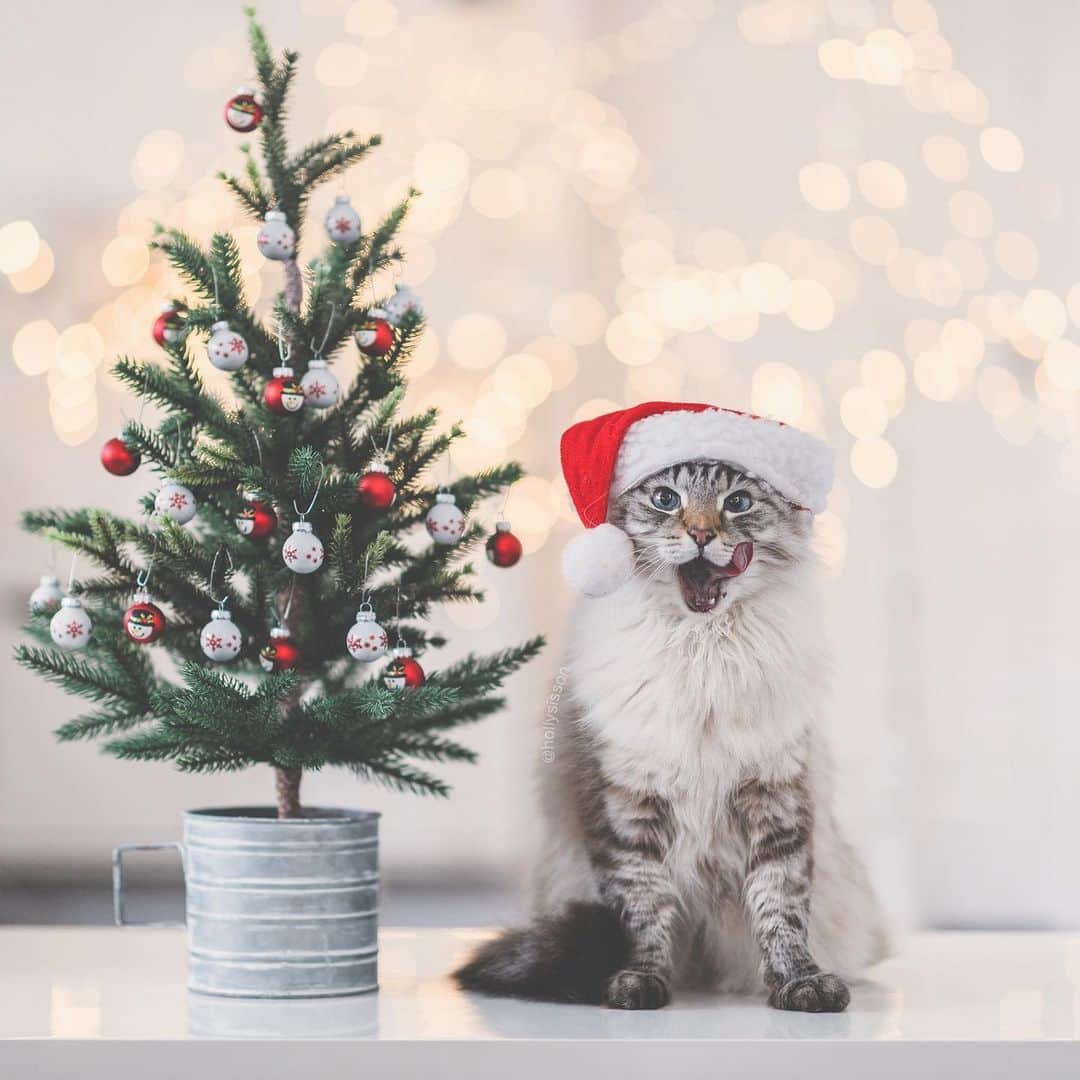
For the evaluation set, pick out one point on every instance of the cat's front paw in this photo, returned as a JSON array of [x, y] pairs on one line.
[[636, 990], [819, 992]]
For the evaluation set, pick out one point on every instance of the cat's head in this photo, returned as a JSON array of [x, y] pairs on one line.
[[711, 533]]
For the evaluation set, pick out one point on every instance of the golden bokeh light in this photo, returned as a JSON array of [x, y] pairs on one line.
[[1017, 255], [839, 58], [34, 347], [874, 462], [371, 18], [811, 306], [776, 391], [946, 158], [936, 375], [962, 344], [1001, 149], [476, 340], [874, 240], [560, 358], [81, 339], [824, 186], [863, 413], [998, 390], [885, 56], [124, 260], [719, 249], [498, 193], [594, 407], [20, 246], [915, 16], [38, 274], [158, 158], [577, 317], [766, 287], [341, 64], [634, 338], [1061, 363], [971, 214], [523, 380], [1044, 314], [882, 184], [882, 371]]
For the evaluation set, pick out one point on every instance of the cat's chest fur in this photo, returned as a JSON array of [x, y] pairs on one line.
[[686, 709]]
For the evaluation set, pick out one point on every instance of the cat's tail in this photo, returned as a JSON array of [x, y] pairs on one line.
[[568, 956]]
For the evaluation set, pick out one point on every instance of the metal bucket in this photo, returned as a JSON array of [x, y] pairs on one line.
[[276, 908]]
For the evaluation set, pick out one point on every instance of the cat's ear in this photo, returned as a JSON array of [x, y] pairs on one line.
[[599, 560]]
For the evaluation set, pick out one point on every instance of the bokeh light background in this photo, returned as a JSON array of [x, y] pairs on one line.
[[853, 215]]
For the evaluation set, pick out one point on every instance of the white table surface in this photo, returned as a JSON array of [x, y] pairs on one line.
[[111, 1002]]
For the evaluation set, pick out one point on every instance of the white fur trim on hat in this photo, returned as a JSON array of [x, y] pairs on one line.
[[599, 560], [796, 464]]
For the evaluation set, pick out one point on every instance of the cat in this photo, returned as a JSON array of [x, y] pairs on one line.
[[687, 791]]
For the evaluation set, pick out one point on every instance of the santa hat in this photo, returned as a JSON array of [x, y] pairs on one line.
[[610, 454]]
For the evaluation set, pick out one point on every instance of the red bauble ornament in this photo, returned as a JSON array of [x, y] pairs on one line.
[[375, 335], [257, 519], [503, 547], [119, 458], [242, 112], [144, 621], [376, 488], [283, 394], [279, 654], [404, 670], [169, 325]]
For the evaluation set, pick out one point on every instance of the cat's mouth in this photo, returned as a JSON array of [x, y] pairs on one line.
[[703, 583]]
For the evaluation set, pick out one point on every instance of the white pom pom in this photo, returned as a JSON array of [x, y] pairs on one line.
[[598, 561]]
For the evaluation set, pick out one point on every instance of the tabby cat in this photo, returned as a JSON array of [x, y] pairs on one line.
[[690, 835]]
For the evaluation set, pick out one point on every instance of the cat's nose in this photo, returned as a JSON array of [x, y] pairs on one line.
[[701, 536]]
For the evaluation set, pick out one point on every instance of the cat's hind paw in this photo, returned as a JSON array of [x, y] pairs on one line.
[[819, 992], [636, 990]]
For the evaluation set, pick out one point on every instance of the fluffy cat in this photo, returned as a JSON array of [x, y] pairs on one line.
[[690, 836]]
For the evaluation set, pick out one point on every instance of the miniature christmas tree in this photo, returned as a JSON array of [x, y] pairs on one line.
[[285, 672]]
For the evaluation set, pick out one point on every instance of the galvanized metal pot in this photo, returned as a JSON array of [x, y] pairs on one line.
[[276, 908]]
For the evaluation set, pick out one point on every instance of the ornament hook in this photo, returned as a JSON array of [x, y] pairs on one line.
[[224, 601], [284, 348], [302, 514], [317, 353]]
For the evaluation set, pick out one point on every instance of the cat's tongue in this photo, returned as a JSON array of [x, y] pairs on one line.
[[702, 582]]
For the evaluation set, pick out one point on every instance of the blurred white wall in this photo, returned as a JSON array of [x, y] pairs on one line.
[[627, 152]]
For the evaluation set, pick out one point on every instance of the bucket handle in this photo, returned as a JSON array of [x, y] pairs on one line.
[[118, 880]]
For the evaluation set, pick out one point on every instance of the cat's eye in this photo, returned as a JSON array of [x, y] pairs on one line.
[[738, 502], [664, 498]]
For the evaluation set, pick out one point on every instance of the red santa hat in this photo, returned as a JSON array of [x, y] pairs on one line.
[[610, 454]]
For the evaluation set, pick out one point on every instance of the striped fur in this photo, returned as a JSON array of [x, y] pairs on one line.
[[689, 791]]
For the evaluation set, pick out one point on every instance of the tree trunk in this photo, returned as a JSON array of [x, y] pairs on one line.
[[287, 782]]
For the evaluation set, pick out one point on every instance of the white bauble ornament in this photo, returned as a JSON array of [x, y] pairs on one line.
[[276, 240], [220, 638], [45, 599], [342, 222], [70, 626], [303, 551], [175, 501], [445, 522], [367, 640], [320, 385], [226, 348], [401, 303]]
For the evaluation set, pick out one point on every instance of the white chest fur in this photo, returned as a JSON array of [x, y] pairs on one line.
[[686, 707]]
